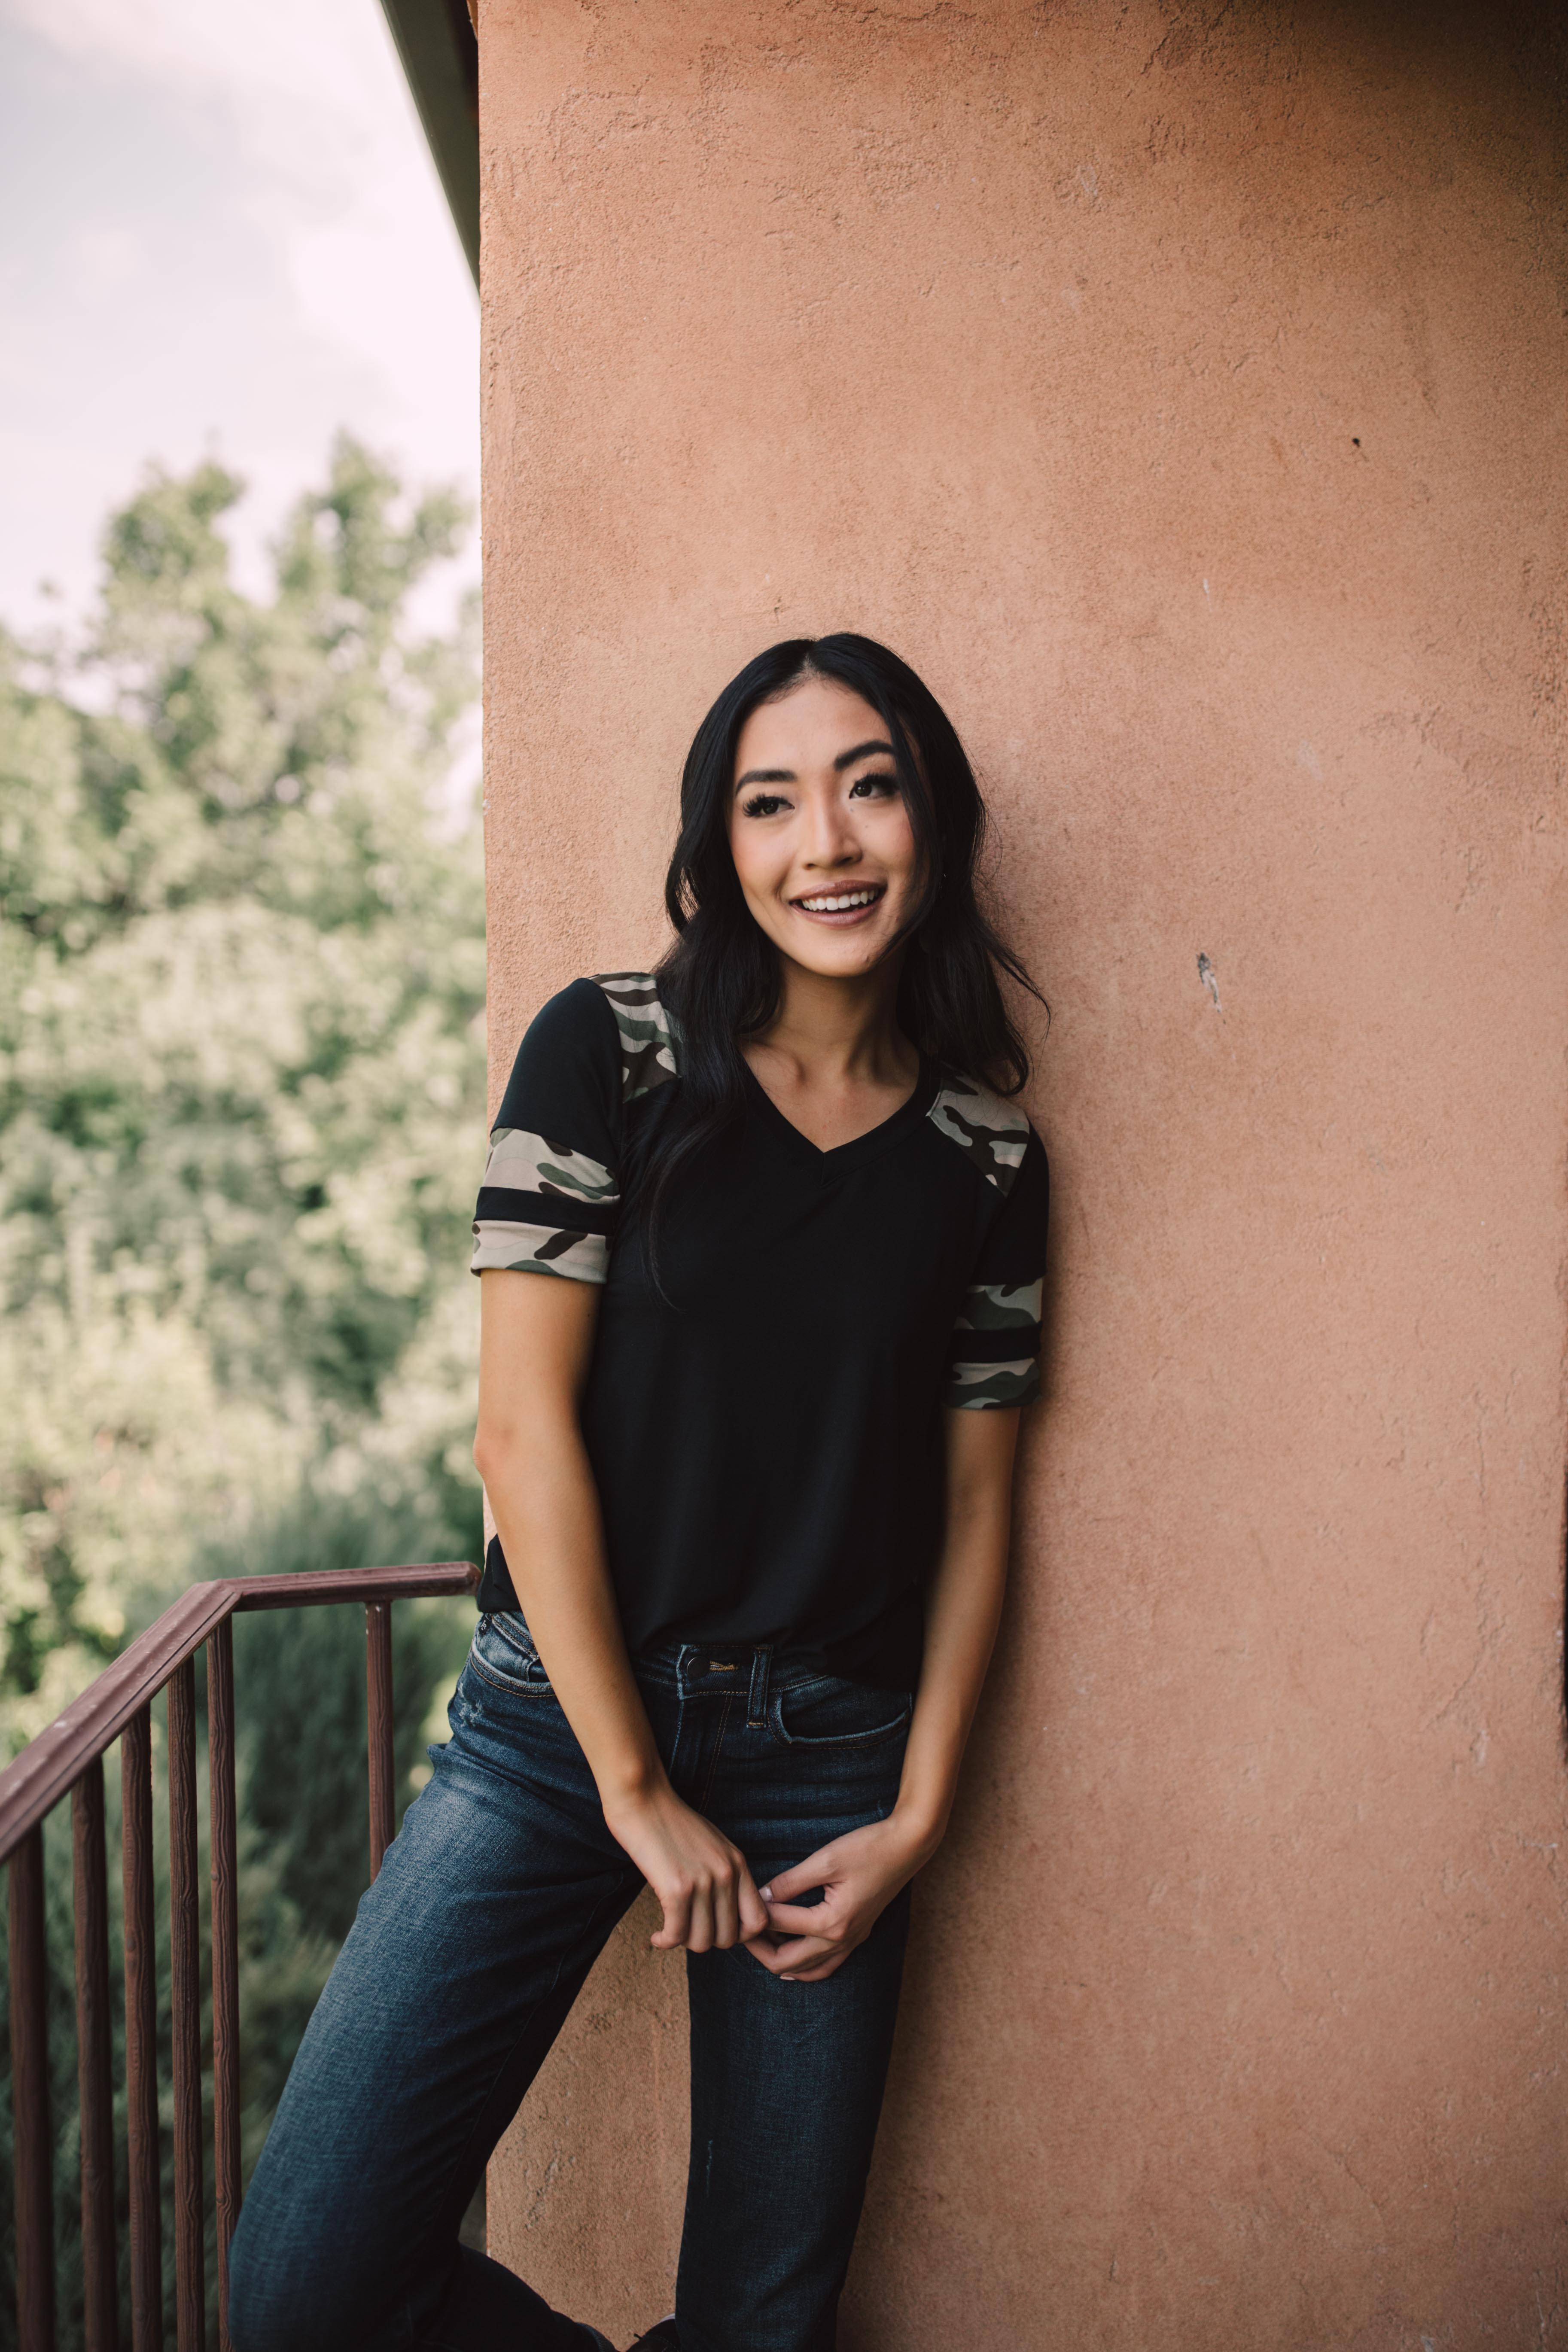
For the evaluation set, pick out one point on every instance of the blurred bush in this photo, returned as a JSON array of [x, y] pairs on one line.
[[241, 1059], [241, 1112]]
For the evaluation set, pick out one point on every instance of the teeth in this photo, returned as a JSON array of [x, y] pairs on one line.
[[839, 906]]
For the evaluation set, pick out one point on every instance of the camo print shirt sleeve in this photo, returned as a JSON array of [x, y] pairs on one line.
[[549, 1193], [994, 1352]]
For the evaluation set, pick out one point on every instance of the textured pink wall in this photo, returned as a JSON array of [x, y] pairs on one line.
[[1183, 391]]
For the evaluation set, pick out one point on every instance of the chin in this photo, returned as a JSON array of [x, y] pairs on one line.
[[849, 962]]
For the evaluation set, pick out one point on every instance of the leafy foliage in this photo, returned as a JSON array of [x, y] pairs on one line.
[[241, 992], [241, 987]]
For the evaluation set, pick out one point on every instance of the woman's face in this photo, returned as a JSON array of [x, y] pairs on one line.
[[821, 838]]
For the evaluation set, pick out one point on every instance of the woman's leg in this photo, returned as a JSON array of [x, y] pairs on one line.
[[786, 2079], [490, 1909], [786, 2088]]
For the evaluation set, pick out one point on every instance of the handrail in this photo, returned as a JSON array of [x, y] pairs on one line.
[[35, 1780], [67, 1757]]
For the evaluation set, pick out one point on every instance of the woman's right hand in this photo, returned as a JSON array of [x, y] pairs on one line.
[[701, 1881]]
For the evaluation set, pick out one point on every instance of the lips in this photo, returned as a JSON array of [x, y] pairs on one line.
[[843, 902]]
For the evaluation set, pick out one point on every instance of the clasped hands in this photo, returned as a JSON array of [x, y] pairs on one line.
[[710, 1901]]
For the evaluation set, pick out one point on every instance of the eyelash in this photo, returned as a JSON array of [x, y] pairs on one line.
[[769, 803]]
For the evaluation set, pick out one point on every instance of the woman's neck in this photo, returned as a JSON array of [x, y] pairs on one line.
[[841, 1032]]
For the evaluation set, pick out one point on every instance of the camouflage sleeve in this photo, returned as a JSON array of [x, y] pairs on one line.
[[993, 1358], [550, 1193]]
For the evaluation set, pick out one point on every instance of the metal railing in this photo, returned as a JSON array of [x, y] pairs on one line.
[[68, 1757]]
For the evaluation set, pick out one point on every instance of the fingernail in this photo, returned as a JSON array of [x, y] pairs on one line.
[[766, 1893], [786, 1980]]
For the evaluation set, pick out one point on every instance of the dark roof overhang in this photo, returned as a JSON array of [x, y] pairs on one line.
[[435, 40]]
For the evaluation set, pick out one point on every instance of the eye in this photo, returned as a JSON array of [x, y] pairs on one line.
[[874, 788], [763, 805]]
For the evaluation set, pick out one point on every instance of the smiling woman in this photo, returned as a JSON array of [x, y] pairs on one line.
[[751, 1464], [826, 859], [831, 840], [826, 761]]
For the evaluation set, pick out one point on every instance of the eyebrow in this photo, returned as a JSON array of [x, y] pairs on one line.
[[788, 776]]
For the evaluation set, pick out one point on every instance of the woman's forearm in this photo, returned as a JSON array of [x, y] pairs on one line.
[[536, 1336], [964, 1609], [546, 1511]]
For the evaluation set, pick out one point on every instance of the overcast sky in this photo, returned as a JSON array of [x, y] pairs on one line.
[[220, 231]]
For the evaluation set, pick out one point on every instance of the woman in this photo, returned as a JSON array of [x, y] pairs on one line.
[[750, 1456]]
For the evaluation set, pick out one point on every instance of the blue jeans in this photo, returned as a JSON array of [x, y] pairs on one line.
[[467, 1953]]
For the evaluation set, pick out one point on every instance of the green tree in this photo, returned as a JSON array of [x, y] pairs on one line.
[[241, 1055], [241, 1096]]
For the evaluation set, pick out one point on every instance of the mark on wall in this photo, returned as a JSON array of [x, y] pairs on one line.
[[1210, 978]]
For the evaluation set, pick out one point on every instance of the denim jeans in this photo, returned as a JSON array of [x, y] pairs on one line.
[[491, 1906]]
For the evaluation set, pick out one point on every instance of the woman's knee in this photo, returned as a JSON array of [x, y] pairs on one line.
[[285, 2293], [260, 2314]]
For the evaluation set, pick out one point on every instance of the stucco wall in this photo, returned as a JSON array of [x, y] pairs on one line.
[[1183, 391]]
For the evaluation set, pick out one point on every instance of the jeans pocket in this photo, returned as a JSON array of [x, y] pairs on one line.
[[502, 1653], [829, 1712]]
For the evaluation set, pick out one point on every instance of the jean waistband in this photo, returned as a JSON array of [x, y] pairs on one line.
[[720, 1669]]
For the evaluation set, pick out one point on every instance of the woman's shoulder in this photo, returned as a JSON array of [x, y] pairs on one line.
[[614, 1018], [564, 1080], [645, 1035], [992, 1132], [575, 1023], [598, 1044]]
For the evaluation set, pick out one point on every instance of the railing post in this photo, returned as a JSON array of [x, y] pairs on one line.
[[95, 2090], [378, 1694], [185, 1989], [33, 2152], [225, 1953], [67, 1757], [142, 2037]]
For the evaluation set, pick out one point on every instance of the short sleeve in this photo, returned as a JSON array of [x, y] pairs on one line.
[[550, 1195], [994, 1356]]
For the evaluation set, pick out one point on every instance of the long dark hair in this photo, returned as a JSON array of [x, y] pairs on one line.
[[720, 982]]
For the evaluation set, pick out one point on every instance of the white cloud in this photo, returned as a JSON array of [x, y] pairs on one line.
[[311, 88], [219, 228], [106, 257]]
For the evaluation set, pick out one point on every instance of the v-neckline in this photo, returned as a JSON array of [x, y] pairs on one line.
[[913, 1107]]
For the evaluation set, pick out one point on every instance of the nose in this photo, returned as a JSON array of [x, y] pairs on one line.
[[829, 833]]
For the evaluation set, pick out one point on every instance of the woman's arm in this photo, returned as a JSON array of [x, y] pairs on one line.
[[862, 1871], [536, 1339], [963, 1612]]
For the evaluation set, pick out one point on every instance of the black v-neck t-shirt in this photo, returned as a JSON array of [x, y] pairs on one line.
[[765, 1423]]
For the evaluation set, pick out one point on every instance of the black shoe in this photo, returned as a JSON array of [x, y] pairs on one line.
[[662, 2338]]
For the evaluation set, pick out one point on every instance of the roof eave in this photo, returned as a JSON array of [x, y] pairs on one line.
[[440, 56]]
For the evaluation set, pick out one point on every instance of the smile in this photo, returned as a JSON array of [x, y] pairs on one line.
[[843, 902]]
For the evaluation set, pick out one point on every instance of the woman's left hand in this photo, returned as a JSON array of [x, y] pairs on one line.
[[859, 1873]]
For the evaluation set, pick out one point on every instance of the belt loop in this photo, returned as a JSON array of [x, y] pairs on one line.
[[757, 1701]]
